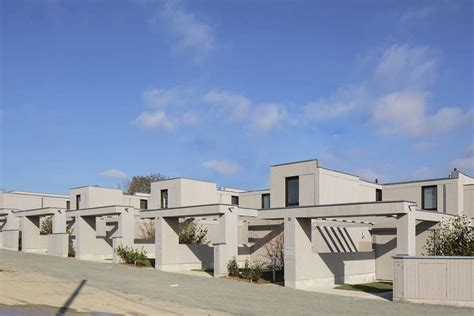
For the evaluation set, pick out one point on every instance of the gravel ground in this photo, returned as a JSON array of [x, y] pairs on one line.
[[215, 296]]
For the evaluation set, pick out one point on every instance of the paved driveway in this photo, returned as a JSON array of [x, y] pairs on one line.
[[213, 295]]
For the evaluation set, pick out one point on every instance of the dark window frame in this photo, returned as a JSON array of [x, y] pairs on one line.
[[145, 201], [233, 198], [78, 201], [287, 179], [423, 197], [264, 195], [68, 205], [163, 204], [378, 195]]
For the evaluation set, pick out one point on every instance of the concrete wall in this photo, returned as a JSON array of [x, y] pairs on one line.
[[447, 203], [19, 200], [252, 199], [385, 246], [469, 200], [183, 192], [306, 170], [434, 279]]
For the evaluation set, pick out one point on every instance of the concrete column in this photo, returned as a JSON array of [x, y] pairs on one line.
[[125, 232], [11, 232], [300, 268], [227, 241], [85, 237], [100, 227], [58, 241], [59, 222], [30, 234], [244, 228], [406, 235], [166, 242]]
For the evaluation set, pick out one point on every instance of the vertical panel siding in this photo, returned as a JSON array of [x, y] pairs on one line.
[[434, 278]]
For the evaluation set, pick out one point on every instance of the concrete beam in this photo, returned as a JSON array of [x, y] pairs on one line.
[[431, 216], [406, 235], [227, 244], [339, 210]]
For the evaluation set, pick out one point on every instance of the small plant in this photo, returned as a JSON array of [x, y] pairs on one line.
[[133, 256], [256, 271], [233, 267], [71, 252], [246, 270]]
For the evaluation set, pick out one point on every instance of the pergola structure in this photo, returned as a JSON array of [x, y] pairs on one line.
[[300, 271], [167, 238], [91, 232], [57, 241]]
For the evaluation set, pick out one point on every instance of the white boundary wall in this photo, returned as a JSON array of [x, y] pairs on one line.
[[442, 280]]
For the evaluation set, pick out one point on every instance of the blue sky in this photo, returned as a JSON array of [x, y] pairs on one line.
[[95, 91]]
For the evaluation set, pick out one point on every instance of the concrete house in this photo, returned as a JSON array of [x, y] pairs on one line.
[[337, 227]]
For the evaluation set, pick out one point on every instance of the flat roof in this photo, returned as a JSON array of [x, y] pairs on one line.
[[295, 162], [38, 194]]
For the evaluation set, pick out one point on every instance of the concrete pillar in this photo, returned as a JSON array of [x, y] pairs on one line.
[[406, 235], [300, 268], [244, 228], [59, 222], [125, 231], [227, 241], [85, 237], [100, 227], [166, 242], [30, 234], [58, 241], [11, 232]]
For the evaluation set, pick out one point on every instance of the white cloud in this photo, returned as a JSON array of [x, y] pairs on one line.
[[222, 167], [267, 116], [239, 106], [465, 163], [189, 33], [424, 145], [417, 14], [159, 119], [342, 102], [407, 67], [160, 98], [114, 174], [404, 113]]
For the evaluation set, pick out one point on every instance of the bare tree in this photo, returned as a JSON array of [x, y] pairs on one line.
[[275, 249], [147, 229]]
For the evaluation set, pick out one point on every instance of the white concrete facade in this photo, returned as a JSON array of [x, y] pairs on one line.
[[337, 227]]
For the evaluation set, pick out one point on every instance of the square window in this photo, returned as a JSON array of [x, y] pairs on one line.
[[235, 200], [292, 191], [164, 198], [429, 198]]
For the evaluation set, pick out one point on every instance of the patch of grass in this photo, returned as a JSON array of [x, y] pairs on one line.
[[374, 287]]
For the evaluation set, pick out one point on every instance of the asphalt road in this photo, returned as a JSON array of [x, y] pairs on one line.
[[220, 295]]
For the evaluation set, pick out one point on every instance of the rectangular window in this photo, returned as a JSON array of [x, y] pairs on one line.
[[378, 195], [292, 191], [68, 205], [78, 201], [164, 198], [429, 198], [235, 200], [143, 204], [265, 200]]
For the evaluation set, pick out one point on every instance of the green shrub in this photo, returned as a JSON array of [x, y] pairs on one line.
[[256, 271], [246, 270], [133, 256], [233, 267]]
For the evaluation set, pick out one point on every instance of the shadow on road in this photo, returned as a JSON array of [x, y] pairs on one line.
[[69, 301]]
